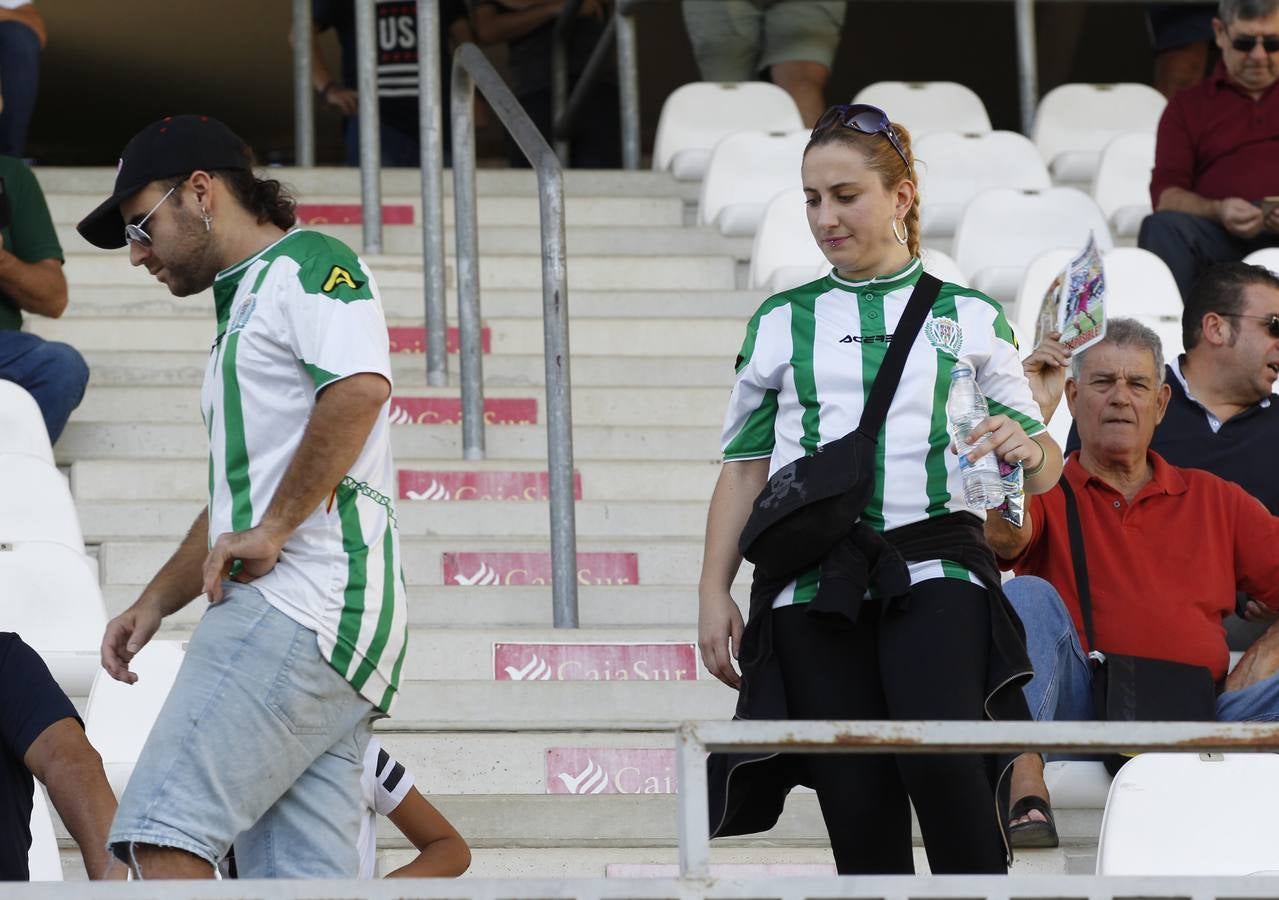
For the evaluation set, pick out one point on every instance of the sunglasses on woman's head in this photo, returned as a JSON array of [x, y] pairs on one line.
[[863, 118], [1272, 321], [1246, 42]]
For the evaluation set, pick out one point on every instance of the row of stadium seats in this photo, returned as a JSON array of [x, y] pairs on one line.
[[1073, 124]]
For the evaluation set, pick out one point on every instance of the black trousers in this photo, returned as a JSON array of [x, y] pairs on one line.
[[927, 661], [1189, 244]]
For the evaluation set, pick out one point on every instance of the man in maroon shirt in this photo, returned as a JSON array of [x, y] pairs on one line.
[[1217, 152], [1166, 549]]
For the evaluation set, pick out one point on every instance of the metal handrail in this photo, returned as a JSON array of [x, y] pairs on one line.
[[471, 70], [370, 135], [694, 739], [431, 148], [303, 96]]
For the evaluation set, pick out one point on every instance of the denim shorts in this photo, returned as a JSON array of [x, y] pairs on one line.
[[734, 40], [259, 738]]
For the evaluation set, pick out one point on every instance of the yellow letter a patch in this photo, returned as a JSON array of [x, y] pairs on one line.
[[338, 275]]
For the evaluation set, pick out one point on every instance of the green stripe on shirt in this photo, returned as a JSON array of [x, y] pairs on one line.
[[871, 315], [382, 632], [236, 448], [802, 328], [938, 433], [357, 553]]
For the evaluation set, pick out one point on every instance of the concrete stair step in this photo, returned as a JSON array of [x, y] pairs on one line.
[[590, 238], [172, 480], [501, 272], [648, 561], [142, 297], [493, 209], [103, 520], [323, 184], [188, 440], [599, 606], [633, 406], [161, 368], [612, 337]]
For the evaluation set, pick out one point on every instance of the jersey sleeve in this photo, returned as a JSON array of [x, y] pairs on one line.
[[1002, 380], [391, 782], [333, 319], [31, 230], [752, 406]]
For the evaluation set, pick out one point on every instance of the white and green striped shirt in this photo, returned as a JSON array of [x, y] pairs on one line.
[[806, 367], [303, 313]]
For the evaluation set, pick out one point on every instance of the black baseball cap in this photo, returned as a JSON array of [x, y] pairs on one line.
[[175, 145]]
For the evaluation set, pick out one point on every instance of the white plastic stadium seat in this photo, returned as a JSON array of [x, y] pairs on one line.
[[746, 170], [954, 168], [697, 115], [21, 425], [1186, 814], [35, 503], [1138, 285], [1003, 230], [928, 106], [1076, 784], [1122, 185], [784, 253], [941, 265], [49, 595], [1268, 257], [44, 863], [119, 716], [1075, 122]]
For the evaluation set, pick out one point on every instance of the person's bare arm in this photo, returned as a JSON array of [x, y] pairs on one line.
[[719, 621], [344, 99], [493, 25], [1238, 216], [344, 414], [71, 771], [442, 852], [30, 16], [37, 287]]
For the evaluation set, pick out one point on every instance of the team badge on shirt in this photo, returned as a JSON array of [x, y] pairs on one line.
[[944, 334], [243, 314]]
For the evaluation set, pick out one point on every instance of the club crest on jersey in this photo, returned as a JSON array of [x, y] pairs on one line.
[[243, 314], [944, 334], [340, 276]]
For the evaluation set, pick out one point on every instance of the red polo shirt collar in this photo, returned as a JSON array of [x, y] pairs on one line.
[[1165, 479], [1220, 81]]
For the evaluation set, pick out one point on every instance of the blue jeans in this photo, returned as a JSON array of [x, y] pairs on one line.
[[19, 76], [1062, 687], [260, 742], [54, 374], [399, 149]]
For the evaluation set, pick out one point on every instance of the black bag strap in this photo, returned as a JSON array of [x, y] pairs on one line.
[[1077, 557], [890, 371]]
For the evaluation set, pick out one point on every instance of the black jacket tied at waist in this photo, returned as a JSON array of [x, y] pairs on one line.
[[747, 791]]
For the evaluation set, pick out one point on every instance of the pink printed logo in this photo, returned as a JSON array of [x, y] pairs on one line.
[[504, 568], [610, 770], [594, 662], [351, 214], [411, 339], [448, 411], [438, 485]]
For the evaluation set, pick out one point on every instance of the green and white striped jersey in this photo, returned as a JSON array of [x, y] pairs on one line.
[[806, 367], [303, 313]]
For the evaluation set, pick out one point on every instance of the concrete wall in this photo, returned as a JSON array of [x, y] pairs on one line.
[[113, 66]]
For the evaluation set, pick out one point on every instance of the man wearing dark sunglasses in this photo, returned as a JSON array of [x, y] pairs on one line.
[[1215, 184]]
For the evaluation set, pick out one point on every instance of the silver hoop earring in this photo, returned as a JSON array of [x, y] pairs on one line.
[[208, 220], [905, 234]]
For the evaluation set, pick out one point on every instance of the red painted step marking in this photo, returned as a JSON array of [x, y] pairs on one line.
[[534, 567], [417, 484], [448, 410], [654, 661], [411, 339], [610, 770], [351, 214]]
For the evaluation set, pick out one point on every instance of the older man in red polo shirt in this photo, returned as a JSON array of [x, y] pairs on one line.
[[1166, 549], [1217, 152]]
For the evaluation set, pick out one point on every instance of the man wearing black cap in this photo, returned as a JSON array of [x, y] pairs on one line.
[[298, 551]]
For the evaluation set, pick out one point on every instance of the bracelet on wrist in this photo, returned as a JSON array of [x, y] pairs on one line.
[[1039, 467]]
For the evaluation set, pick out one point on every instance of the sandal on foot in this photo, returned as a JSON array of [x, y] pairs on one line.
[[1033, 834]]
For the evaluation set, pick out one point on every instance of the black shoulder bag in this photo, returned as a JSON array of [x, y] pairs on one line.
[[1135, 688], [809, 505]]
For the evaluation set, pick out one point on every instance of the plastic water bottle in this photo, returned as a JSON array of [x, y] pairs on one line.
[[965, 409]]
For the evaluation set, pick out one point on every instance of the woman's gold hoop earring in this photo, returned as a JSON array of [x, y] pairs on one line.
[[905, 233]]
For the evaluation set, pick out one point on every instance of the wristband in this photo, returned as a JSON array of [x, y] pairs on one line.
[[1043, 459]]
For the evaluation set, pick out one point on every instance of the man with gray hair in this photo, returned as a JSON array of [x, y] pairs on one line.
[[1215, 187], [1166, 549]]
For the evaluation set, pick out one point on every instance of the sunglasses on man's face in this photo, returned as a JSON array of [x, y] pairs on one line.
[[863, 118], [134, 233], [1246, 42], [1272, 321]]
